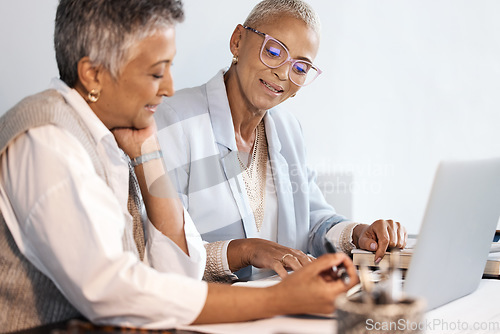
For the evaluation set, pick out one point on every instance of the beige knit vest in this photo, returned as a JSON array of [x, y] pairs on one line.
[[28, 298]]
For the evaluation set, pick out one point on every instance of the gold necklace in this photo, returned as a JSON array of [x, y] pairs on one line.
[[254, 175]]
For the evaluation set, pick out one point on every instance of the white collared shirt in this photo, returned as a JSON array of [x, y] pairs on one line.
[[69, 223]]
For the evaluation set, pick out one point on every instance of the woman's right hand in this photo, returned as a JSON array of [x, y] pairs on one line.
[[313, 289], [136, 142]]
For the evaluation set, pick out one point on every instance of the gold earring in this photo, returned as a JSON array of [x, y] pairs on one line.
[[235, 60], [93, 95], [293, 95]]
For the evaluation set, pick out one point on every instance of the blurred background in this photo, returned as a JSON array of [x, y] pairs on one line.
[[405, 84]]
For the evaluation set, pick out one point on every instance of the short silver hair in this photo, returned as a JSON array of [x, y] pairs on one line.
[[267, 10], [105, 30]]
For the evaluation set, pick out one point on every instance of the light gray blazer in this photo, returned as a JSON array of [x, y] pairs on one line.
[[196, 133]]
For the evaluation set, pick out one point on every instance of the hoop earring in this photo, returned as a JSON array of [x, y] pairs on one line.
[[93, 95], [235, 60]]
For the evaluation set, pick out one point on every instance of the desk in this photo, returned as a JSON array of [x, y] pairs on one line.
[[478, 312], [481, 308]]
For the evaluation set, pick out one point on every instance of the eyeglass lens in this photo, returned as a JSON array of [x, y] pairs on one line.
[[274, 54]]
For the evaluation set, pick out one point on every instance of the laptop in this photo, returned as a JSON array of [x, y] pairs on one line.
[[456, 232]]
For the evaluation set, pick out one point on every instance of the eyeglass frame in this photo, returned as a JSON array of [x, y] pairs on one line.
[[289, 59]]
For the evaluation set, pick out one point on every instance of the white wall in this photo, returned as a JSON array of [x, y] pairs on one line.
[[405, 84], [27, 58]]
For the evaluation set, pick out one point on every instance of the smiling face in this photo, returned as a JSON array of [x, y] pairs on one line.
[[254, 84], [131, 99]]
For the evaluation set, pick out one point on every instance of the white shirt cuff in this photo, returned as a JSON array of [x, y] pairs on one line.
[[165, 256]]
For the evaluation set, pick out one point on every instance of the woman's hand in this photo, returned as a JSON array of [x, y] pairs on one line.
[[265, 254], [313, 289], [380, 236], [136, 142]]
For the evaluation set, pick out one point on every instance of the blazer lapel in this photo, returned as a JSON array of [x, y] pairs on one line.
[[222, 124], [287, 229]]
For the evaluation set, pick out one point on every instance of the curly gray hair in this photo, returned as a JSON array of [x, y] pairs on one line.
[[104, 31], [267, 10]]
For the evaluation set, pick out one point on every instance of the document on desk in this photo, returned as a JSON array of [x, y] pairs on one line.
[[260, 283], [303, 324]]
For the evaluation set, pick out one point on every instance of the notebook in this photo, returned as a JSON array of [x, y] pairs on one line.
[[456, 232]]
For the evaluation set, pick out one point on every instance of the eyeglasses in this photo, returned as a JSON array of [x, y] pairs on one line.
[[274, 54]]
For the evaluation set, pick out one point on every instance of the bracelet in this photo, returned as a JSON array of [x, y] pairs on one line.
[[214, 269], [346, 243], [146, 157]]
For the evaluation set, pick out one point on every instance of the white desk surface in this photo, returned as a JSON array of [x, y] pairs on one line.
[[469, 313], [476, 313]]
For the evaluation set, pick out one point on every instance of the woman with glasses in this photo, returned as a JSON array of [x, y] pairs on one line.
[[239, 161]]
